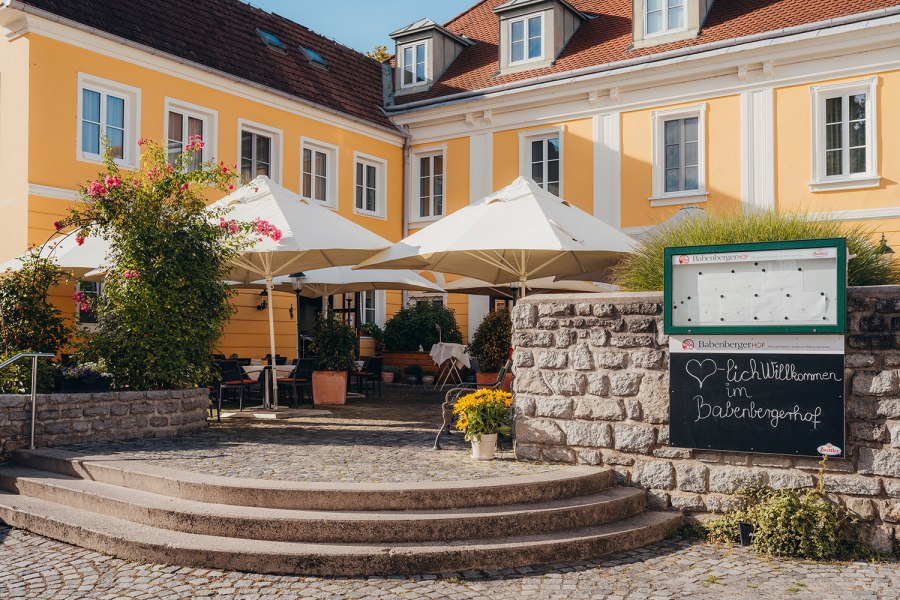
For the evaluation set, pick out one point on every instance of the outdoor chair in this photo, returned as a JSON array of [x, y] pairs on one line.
[[232, 377], [456, 393], [370, 374], [299, 382]]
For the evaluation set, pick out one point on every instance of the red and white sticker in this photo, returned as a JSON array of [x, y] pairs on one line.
[[829, 449]]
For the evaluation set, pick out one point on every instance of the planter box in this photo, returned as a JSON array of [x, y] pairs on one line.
[[329, 387]]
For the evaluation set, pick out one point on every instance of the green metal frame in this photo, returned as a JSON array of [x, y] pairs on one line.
[[839, 327]]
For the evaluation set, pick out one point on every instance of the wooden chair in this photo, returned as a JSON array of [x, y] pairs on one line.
[[455, 394], [370, 373]]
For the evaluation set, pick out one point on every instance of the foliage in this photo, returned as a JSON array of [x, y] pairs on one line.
[[643, 270], [376, 333], [485, 411], [789, 523], [492, 340], [165, 300], [413, 370], [16, 377], [85, 370], [379, 53], [334, 343], [414, 326]]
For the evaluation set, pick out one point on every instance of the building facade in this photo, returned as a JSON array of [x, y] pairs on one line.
[[630, 109]]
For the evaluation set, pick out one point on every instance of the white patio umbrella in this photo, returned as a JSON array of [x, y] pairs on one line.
[[313, 237], [542, 285], [85, 261], [518, 233]]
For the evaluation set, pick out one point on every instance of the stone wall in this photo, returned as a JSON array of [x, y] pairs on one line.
[[72, 418], [592, 388]]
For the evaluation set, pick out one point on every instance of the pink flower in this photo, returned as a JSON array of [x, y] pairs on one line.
[[230, 186], [141, 142], [112, 181], [263, 228], [57, 225], [224, 170], [79, 239], [234, 166], [221, 163], [184, 186], [82, 301], [130, 274], [96, 189]]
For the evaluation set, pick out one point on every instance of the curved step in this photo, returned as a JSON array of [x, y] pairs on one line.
[[139, 542], [524, 489], [321, 526]]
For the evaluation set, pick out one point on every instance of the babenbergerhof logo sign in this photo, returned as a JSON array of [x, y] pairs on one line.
[[720, 345]]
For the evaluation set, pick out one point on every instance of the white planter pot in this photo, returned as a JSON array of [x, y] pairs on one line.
[[484, 449], [427, 379]]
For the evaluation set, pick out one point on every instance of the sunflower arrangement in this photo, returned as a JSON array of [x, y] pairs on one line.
[[484, 411]]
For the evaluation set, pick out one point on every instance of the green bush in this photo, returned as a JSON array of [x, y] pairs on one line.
[[643, 270], [334, 344], [376, 333], [415, 326], [492, 340]]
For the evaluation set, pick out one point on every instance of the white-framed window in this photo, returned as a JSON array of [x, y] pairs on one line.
[[845, 135], [319, 171], [92, 290], [259, 149], [428, 185], [526, 39], [184, 120], [661, 16], [541, 158], [414, 64], [111, 110], [679, 155], [369, 185]]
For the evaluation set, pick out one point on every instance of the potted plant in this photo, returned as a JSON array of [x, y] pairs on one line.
[[428, 377], [490, 347], [482, 415], [413, 372], [84, 378], [388, 372], [334, 344]]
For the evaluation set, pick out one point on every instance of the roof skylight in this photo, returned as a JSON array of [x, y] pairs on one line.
[[271, 40], [314, 57]]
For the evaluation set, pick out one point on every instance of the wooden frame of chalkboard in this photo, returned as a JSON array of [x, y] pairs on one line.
[[837, 325]]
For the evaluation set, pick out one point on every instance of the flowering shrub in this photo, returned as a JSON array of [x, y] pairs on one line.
[[85, 370], [485, 411]]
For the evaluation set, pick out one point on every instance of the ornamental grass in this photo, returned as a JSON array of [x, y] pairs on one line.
[[483, 412]]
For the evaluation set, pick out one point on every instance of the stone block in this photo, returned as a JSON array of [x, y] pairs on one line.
[[618, 459], [889, 511], [888, 409], [861, 508], [634, 438], [525, 405], [692, 477], [875, 383], [583, 309], [558, 454], [97, 411], [673, 453], [612, 360], [599, 338], [662, 434], [882, 538], [632, 341], [528, 452], [892, 488], [860, 407], [72, 413], [58, 428], [81, 426], [894, 434], [870, 324], [19, 402], [555, 309], [531, 382], [654, 397], [767, 460], [657, 474], [869, 341], [142, 408], [721, 503], [859, 360], [632, 409], [552, 360], [539, 431], [556, 408], [879, 462], [657, 500], [48, 415], [564, 339], [868, 431], [598, 384], [640, 325], [582, 359], [835, 465], [728, 480], [589, 433], [856, 485], [887, 305], [599, 409], [790, 480], [165, 408], [589, 456], [523, 358], [567, 384], [647, 359], [525, 315], [625, 384], [641, 308], [604, 310], [687, 502], [548, 324], [159, 421]]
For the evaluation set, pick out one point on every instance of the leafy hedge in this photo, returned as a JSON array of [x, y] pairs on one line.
[[414, 326], [492, 340]]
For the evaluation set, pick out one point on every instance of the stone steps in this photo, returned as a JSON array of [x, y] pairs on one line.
[[132, 541], [321, 526]]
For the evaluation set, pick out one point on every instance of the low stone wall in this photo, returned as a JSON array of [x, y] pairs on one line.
[[72, 418], [592, 387]]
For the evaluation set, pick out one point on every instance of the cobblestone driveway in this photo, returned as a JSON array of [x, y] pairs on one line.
[[35, 567]]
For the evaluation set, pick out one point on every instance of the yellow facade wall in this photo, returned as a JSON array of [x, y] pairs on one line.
[[14, 76]]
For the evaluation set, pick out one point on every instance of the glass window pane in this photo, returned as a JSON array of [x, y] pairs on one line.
[[370, 176], [833, 110], [834, 162], [321, 188], [90, 105], [534, 27], [691, 178], [359, 197], [424, 203], [246, 168], [438, 185], [673, 156], [424, 166], [115, 112], [690, 130], [420, 62], [534, 37], [262, 168], [307, 184], [654, 22], [321, 164], [673, 180], [857, 107], [537, 172], [858, 160], [246, 145], [676, 18], [857, 133], [173, 151], [833, 136], [90, 137], [553, 171], [553, 188], [176, 126], [438, 206], [195, 127], [553, 149], [263, 149], [370, 199], [116, 141], [654, 5], [691, 158], [673, 132], [438, 164], [517, 51], [307, 160], [537, 151], [517, 31]]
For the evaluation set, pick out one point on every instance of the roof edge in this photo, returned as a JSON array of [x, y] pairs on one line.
[[503, 8], [403, 31]]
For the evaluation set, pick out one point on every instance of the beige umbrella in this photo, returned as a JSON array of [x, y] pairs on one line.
[[543, 285], [84, 261]]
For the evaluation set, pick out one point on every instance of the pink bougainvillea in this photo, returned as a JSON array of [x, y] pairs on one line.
[[263, 228], [79, 239], [112, 181], [82, 301], [195, 144], [96, 189], [130, 274], [57, 225]]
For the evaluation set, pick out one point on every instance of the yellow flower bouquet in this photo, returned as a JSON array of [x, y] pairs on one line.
[[483, 412]]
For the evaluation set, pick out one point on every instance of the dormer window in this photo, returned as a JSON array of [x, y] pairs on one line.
[[526, 39], [664, 15], [413, 61]]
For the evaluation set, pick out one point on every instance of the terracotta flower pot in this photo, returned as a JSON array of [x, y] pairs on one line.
[[329, 387], [387, 377], [489, 379]]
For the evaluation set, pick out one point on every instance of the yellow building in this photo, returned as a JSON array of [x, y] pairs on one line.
[[629, 109]]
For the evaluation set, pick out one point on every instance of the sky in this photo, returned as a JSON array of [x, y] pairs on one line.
[[363, 24]]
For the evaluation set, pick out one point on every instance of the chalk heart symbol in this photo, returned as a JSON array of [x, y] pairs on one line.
[[701, 371]]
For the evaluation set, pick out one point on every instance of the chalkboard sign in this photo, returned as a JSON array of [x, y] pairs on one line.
[[758, 395]]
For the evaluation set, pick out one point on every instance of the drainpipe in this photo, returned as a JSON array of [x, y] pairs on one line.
[[407, 190]]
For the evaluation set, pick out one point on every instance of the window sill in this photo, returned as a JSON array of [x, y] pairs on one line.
[[844, 184], [418, 220], [98, 160], [675, 198], [371, 215]]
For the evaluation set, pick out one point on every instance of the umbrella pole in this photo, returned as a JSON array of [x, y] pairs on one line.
[[270, 288]]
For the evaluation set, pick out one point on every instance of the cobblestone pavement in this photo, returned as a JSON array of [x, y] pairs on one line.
[[384, 439], [35, 567]]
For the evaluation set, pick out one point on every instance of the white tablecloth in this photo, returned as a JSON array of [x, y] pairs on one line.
[[253, 371], [444, 351]]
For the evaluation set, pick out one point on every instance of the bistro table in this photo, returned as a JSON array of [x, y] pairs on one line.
[[450, 358], [253, 372]]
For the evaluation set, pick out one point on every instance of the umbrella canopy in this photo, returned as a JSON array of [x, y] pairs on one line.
[[83, 261], [518, 233], [543, 285], [344, 280]]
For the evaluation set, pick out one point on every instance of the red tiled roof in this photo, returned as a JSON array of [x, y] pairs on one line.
[[608, 37], [221, 34]]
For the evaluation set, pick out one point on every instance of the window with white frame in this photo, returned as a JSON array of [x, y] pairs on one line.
[[184, 121], [91, 289], [526, 39], [661, 16], [679, 173], [107, 111], [413, 64], [542, 159], [844, 135], [430, 180], [369, 184], [368, 307], [318, 171], [260, 149]]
